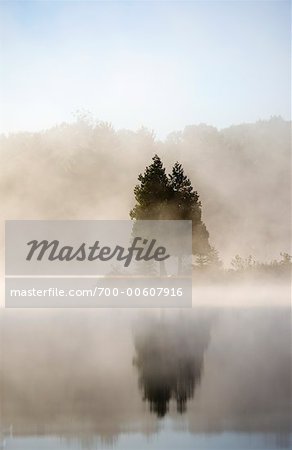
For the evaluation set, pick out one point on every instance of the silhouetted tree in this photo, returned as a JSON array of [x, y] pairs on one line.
[[152, 194], [172, 197], [185, 205], [183, 197]]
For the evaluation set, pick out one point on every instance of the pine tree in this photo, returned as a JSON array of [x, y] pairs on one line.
[[151, 196], [152, 193], [172, 197], [209, 260], [185, 205], [184, 199]]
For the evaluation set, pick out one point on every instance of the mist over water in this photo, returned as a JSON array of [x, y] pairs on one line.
[[206, 377], [169, 358], [90, 375]]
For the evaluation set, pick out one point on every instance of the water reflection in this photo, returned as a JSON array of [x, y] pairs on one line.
[[169, 358], [70, 375]]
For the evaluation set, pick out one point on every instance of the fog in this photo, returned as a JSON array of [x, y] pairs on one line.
[[88, 170], [82, 374], [78, 374]]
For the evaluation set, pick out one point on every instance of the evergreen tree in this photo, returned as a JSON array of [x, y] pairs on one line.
[[209, 260], [184, 200], [185, 205], [151, 196], [172, 197], [152, 193]]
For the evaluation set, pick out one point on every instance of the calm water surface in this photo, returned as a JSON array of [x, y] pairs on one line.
[[206, 378]]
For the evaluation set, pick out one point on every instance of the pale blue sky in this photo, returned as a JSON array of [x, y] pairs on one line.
[[161, 64]]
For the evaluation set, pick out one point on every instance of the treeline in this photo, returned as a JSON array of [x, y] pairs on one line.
[[87, 169], [210, 267]]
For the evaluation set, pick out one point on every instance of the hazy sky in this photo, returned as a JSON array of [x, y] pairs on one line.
[[161, 64]]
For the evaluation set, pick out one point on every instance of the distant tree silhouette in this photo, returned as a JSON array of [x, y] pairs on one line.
[[209, 260], [183, 199], [152, 194], [185, 205], [172, 197]]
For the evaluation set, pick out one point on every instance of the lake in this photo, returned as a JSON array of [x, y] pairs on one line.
[[206, 378]]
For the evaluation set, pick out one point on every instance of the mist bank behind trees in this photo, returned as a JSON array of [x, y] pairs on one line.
[[87, 170]]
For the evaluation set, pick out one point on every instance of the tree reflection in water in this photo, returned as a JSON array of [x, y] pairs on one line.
[[169, 359]]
